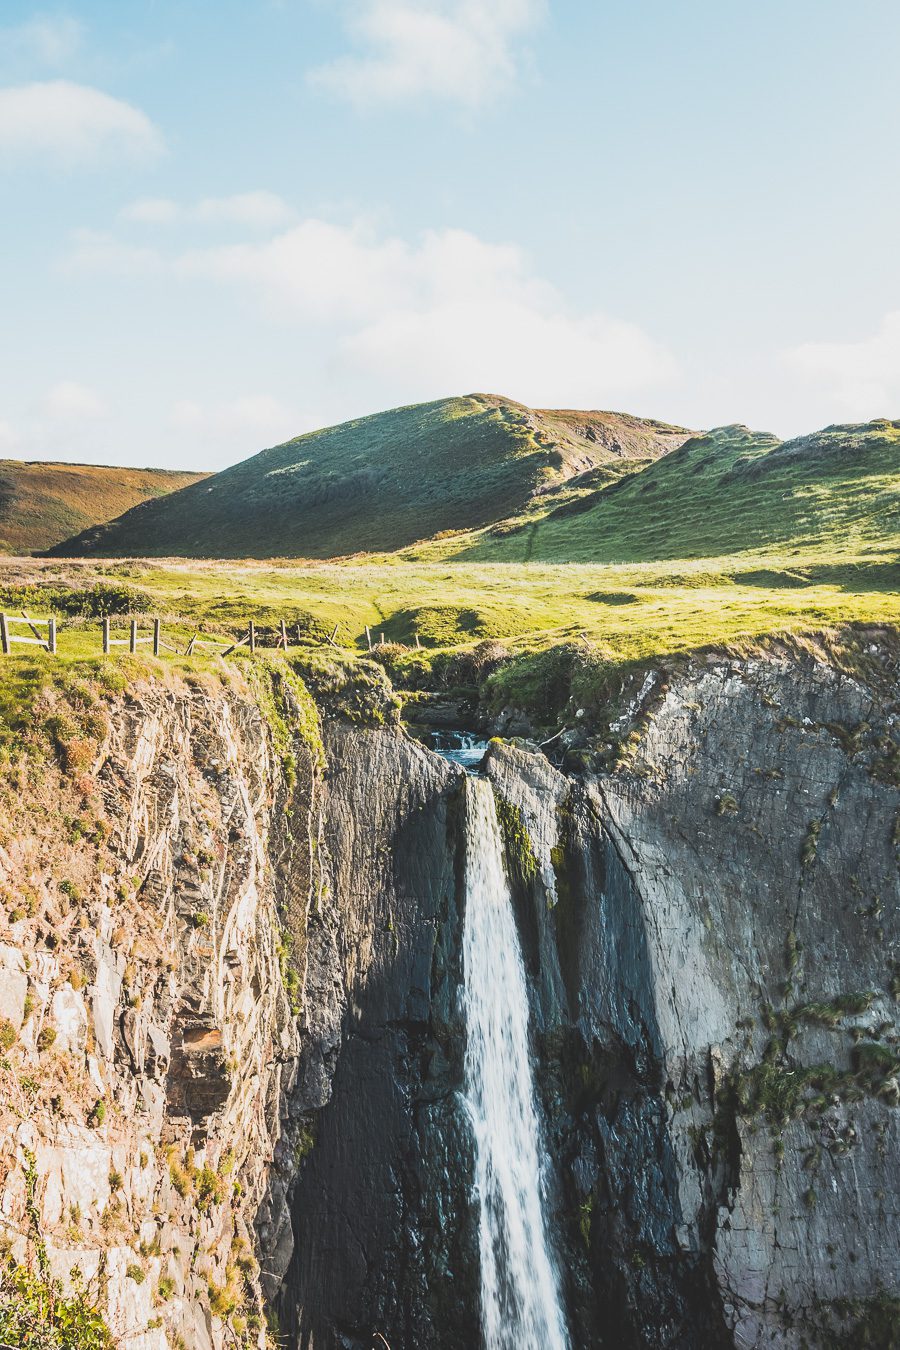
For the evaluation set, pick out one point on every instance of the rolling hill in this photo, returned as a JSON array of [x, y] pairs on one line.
[[836, 491], [41, 504], [380, 483]]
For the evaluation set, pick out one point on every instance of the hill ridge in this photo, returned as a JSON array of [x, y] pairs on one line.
[[383, 481]]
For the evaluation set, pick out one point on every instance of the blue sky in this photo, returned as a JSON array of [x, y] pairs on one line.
[[223, 225]]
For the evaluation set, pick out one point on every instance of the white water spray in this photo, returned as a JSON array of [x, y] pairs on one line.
[[520, 1301]]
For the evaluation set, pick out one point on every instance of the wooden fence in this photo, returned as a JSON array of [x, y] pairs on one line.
[[136, 637], [9, 636]]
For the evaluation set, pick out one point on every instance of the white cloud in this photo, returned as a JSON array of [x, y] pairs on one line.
[[450, 312], [73, 124], [257, 413], [408, 319], [152, 211], [860, 379], [71, 402], [51, 40], [100, 251], [257, 210], [62, 423], [464, 51]]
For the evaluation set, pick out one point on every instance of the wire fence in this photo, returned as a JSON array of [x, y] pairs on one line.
[[43, 633]]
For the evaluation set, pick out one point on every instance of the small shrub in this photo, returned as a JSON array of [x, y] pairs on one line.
[[223, 1298], [210, 1188], [135, 1273], [8, 1034], [97, 1114], [35, 1312], [726, 804], [46, 1038]]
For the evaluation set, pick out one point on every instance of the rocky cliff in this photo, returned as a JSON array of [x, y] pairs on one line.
[[712, 931], [234, 1042], [146, 1031]]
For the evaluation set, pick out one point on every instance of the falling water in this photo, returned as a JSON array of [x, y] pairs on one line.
[[520, 1302]]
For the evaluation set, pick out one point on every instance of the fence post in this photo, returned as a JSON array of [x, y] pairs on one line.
[[4, 634], [51, 636], [252, 635], [132, 640], [418, 643], [156, 637], [284, 634], [382, 639], [368, 637], [106, 637]]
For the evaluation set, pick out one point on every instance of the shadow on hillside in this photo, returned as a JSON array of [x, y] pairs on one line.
[[882, 576]]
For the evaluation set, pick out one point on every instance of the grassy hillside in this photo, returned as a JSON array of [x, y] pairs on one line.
[[837, 491], [609, 548], [382, 482], [42, 504]]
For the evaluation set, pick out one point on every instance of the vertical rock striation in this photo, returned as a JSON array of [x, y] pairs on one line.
[[714, 936], [148, 1032]]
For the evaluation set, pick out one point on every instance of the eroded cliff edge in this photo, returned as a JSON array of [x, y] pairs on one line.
[[247, 951]]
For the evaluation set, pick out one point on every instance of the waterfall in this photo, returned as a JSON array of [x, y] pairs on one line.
[[520, 1300]]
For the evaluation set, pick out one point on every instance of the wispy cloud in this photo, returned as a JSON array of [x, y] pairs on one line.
[[237, 426], [70, 402], [460, 51], [860, 379], [419, 317], [72, 124], [47, 40], [257, 210], [62, 422]]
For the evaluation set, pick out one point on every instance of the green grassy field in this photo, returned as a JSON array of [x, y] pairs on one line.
[[42, 504], [567, 632], [632, 611]]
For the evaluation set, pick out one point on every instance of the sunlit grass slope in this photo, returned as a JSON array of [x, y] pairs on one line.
[[382, 482], [835, 493], [41, 503]]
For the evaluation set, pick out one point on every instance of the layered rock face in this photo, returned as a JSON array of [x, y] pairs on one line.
[[146, 1028]]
